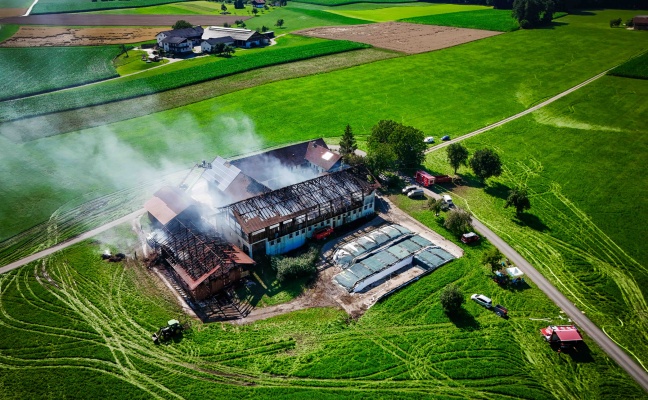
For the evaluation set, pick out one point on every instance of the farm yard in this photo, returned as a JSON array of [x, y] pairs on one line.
[[74, 325], [73, 67], [410, 39]]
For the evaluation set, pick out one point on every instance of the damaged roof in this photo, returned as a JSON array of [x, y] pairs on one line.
[[321, 156], [334, 193], [167, 203]]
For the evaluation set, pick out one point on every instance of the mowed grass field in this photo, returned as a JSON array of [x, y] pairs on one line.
[[183, 8], [395, 13], [66, 6], [583, 160], [345, 2], [492, 20], [76, 326], [34, 70]]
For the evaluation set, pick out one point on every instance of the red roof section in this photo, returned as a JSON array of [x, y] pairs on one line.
[[167, 203], [565, 333], [321, 156]]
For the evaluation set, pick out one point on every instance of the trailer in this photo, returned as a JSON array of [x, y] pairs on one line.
[[425, 179]]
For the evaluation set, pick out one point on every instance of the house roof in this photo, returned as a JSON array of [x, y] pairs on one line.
[[258, 1], [167, 203], [321, 156], [196, 31], [641, 19], [216, 40], [174, 39], [235, 33], [231, 182], [565, 333]]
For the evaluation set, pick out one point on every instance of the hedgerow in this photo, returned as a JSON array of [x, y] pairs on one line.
[[295, 266]]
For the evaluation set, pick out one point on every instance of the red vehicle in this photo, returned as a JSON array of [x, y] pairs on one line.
[[469, 237], [322, 233], [427, 180]]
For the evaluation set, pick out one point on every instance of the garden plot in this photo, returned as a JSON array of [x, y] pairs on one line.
[[28, 36], [399, 36]]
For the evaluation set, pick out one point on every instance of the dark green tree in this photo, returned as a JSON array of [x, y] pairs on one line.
[[534, 12], [239, 5], [486, 163], [348, 144], [615, 23], [255, 11], [182, 24], [223, 7], [279, 23], [264, 28], [492, 258], [451, 299], [458, 221], [457, 156], [519, 199], [400, 145]]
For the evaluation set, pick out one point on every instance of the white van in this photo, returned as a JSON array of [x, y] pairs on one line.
[[416, 193], [448, 200]]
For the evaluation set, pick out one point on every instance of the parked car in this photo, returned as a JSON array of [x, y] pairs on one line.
[[428, 139], [448, 200], [409, 188], [416, 193], [501, 310], [445, 138], [469, 237], [482, 300], [322, 233]]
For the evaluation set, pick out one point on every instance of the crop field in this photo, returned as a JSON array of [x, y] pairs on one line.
[[184, 8], [75, 316], [153, 81], [635, 68], [343, 2], [68, 6], [35, 70], [492, 20], [395, 13], [582, 231]]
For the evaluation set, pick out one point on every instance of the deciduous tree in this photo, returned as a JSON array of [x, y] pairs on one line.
[[457, 156], [486, 163], [435, 205], [182, 24], [279, 23], [400, 145], [451, 299], [223, 7], [519, 199], [492, 258], [458, 221]]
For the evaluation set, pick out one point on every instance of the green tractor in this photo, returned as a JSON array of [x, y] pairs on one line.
[[165, 333]]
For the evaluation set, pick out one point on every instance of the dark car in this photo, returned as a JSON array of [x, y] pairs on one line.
[[445, 138]]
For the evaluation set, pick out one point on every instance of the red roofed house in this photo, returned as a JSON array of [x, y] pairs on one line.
[[566, 335], [258, 3], [640, 22], [322, 159]]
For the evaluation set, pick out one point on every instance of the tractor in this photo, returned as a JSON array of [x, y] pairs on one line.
[[165, 333]]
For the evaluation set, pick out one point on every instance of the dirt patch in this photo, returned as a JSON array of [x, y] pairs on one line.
[[12, 12], [400, 36], [120, 20], [49, 36]]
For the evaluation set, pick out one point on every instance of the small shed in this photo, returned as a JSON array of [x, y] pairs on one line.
[[565, 335], [640, 22]]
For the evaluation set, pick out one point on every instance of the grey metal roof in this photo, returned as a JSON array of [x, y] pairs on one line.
[[432, 258]]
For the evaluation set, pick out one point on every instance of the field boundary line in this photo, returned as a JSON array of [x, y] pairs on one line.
[[519, 115]]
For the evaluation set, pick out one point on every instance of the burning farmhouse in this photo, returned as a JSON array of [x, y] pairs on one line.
[[229, 211]]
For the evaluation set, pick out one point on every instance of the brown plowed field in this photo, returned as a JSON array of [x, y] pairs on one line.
[[39, 36], [119, 20], [400, 36], [12, 12]]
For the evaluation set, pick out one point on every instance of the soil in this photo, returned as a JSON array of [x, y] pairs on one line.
[[120, 20], [12, 12], [28, 36], [400, 36]]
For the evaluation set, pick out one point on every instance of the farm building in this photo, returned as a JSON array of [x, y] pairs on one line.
[[282, 220], [384, 252], [180, 40], [234, 36], [171, 205], [640, 22], [258, 3], [565, 335]]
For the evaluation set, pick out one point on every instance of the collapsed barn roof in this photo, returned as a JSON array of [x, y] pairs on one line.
[[334, 192], [167, 203], [231, 182], [196, 256]]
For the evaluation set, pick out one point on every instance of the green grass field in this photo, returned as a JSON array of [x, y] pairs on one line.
[[7, 31], [583, 160], [345, 2], [635, 68], [66, 6], [396, 13], [76, 326], [185, 8], [492, 20], [126, 65], [41, 69], [174, 76]]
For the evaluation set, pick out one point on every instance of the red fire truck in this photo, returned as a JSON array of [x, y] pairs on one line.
[[427, 180]]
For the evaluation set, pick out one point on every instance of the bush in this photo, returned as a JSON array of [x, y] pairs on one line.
[[290, 267], [451, 299], [630, 23], [525, 24], [458, 221], [614, 23]]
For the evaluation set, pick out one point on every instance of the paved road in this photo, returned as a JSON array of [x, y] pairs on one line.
[[61, 246], [516, 116]]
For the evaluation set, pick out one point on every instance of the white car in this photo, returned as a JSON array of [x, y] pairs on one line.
[[409, 188], [482, 300], [448, 200], [416, 193], [429, 139]]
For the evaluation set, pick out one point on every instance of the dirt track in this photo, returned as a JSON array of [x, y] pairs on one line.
[[400, 36], [119, 20]]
